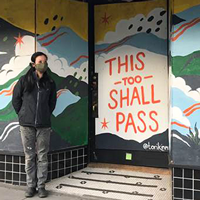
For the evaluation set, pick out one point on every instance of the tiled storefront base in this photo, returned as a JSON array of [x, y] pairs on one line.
[[12, 167], [186, 184]]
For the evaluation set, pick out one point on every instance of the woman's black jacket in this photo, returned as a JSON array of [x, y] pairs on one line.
[[35, 108]]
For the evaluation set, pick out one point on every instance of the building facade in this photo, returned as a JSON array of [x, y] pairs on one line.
[[127, 77]]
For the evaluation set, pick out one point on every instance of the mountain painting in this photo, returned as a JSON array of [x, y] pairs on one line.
[[185, 88], [67, 49]]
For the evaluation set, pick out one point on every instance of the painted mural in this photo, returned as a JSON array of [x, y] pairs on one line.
[[131, 62], [59, 29], [185, 79]]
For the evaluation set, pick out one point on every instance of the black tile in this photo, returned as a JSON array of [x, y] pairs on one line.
[[8, 167], [74, 161], [61, 156], [80, 152], [80, 160], [67, 171], [188, 173], [49, 167], [49, 176], [16, 167], [23, 177], [23, 168], [85, 165], [54, 174], [178, 193], [15, 176], [61, 173], [8, 176], [2, 175], [16, 159], [178, 182], [187, 194], [187, 183], [80, 167], [68, 163], [49, 158], [197, 185], [196, 195], [8, 158], [2, 158], [22, 159], [2, 166], [74, 169], [67, 155], [74, 153], [178, 172], [54, 166], [54, 157], [61, 165], [85, 159], [196, 174]]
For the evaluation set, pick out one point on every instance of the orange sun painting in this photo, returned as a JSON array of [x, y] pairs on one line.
[[19, 40]]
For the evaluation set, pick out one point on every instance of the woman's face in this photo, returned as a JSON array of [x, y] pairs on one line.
[[40, 65], [40, 59]]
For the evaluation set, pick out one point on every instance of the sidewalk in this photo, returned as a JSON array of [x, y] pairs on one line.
[[10, 192]]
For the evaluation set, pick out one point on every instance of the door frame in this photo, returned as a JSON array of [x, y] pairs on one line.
[[140, 158]]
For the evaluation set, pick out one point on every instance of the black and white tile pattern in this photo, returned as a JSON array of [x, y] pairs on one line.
[[186, 184], [12, 167]]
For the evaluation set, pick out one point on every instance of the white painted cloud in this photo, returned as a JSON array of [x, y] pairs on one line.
[[61, 67], [178, 82], [26, 48], [177, 114], [22, 59], [139, 24]]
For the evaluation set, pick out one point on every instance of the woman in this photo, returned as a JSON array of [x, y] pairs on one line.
[[34, 99]]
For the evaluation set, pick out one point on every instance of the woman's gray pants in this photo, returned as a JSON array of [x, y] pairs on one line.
[[36, 142]]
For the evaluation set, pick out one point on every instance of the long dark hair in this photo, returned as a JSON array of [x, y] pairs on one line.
[[29, 78]]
